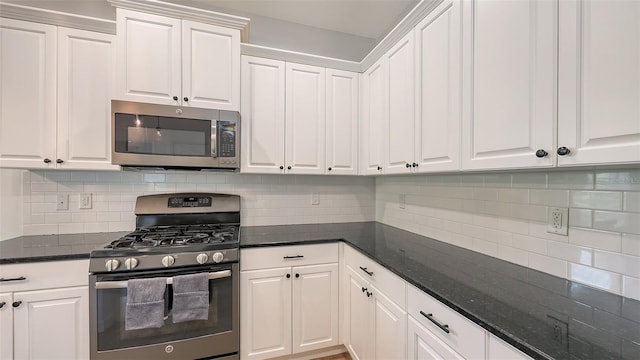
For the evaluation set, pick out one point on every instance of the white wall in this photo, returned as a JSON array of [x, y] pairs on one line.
[[10, 203], [504, 215]]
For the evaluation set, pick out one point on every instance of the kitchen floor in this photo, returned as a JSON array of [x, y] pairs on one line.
[[343, 356]]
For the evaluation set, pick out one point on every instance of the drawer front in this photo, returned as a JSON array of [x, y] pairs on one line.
[[283, 256], [389, 283], [44, 275], [464, 337]]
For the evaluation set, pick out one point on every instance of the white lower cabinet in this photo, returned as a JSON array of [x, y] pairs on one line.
[[423, 345], [45, 323], [500, 350], [288, 309]]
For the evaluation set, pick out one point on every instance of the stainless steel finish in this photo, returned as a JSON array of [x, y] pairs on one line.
[[168, 261], [217, 257], [214, 139], [149, 262], [131, 263], [112, 264], [158, 204], [125, 283], [142, 161], [202, 258]]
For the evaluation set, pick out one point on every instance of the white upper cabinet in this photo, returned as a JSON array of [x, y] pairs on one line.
[[439, 91], [27, 94], [86, 73], [342, 122], [373, 119], [263, 91], [509, 81], [400, 90], [169, 61], [599, 82], [305, 119]]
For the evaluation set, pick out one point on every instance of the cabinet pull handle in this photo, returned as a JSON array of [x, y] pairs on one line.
[[379, 168], [288, 276], [175, 98], [288, 257], [370, 273], [297, 276], [186, 99], [13, 279], [281, 167], [541, 153], [16, 303], [329, 169], [47, 160], [408, 165], [369, 294], [562, 151], [364, 289], [2, 304], [288, 167], [59, 161], [414, 164], [429, 316]]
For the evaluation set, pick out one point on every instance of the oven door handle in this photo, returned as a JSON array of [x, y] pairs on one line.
[[124, 283]]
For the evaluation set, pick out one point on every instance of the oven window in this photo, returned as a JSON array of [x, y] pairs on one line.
[[111, 304], [158, 135]]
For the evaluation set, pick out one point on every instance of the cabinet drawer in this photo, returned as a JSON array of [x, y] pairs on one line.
[[282, 256], [465, 337], [384, 280], [44, 275]]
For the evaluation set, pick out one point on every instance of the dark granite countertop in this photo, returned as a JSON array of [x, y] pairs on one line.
[[25, 249], [524, 307]]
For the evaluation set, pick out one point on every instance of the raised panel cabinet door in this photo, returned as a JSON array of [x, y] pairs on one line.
[[500, 350], [373, 115], [27, 94], [358, 310], [86, 72], [148, 58], [423, 345], [400, 91], [439, 96], [305, 119], [342, 122], [315, 307], [390, 328], [265, 305], [509, 83], [263, 96], [6, 326], [599, 82], [210, 66], [52, 324]]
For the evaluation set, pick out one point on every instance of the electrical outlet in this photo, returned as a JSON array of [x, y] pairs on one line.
[[85, 201], [403, 203], [62, 202], [558, 220], [315, 198]]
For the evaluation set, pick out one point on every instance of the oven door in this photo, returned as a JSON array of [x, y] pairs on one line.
[[216, 336]]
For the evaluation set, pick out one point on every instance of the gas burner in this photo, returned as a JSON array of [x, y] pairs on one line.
[[178, 235]]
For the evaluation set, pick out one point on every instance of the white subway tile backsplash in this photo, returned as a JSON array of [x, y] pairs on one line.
[[572, 253], [153, 178], [571, 180], [529, 180], [44, 186], [618, 180], [580, 218], [530, 244], [631, 244], [620, 263], [514, 255], [602, 200], [631, 287], [596, 239], [600, 279], [632, 201], [550, 197], [84, 176], [617, 221], [71, 228], [520, 196], [548, 264]]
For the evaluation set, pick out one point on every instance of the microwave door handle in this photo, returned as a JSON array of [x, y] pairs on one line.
[[214, 138], [124, 283]]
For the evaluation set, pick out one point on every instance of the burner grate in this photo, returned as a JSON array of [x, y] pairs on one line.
[[179, 235]]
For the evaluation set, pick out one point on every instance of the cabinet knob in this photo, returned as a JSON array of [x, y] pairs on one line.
[[59, 161], [47, 160], [288, 167], [408, 165], [329, 169], [288, 276], [281, 167], [541, 153], [379, 168], [297, 276], [16, 303], [175, 98], [369, 294], [562, 151], [414, 165], [364, 289], [2, 304], [186, 99]]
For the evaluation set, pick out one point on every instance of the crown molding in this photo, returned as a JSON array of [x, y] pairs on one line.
[[298, 57], [26, 13], [158, 7], [422, 9]]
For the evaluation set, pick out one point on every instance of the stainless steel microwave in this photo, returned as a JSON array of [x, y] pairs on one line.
[[170, 137]]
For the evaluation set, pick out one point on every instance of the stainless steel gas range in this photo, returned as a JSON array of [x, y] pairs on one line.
[[187, 238]]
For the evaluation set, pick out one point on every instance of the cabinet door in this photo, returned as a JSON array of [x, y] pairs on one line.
[[509, 82], [373, 119], [210, 66], [148, 58], [342, 122], [438, 112], [423, 345], [265, 305], [400, 85], [86, 69], [359, 316], [262, 115], [599, 84], [389, 326], [500, 350], [315, 307], [52, 324], [6, 326], [28, 94], [305, 119]]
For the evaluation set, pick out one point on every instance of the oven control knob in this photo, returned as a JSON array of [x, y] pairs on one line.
[[168, 261], [202, 258], [131, 263], [112, 264], [217, 257]]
